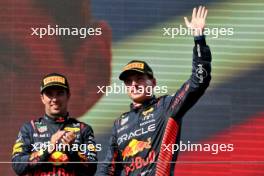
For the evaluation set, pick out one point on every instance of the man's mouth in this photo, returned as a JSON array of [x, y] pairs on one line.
[[55, 106]]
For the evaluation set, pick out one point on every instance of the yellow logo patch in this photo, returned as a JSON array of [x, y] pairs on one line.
[[17, 148], [138, 65], [57, 79], [72, 129], [148, 111]]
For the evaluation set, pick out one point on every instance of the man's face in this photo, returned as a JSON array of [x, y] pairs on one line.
[[55, 100], [139, 86]]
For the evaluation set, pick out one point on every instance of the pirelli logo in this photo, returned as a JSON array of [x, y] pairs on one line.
[[72, 129], [57, 79], [137, 65]]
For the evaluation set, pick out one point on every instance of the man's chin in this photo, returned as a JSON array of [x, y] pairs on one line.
[[56, 114], [139, 98]]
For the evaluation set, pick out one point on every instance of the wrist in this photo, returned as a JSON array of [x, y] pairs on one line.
[[44, 155], [200, 40], [51, 148], [197, 32]]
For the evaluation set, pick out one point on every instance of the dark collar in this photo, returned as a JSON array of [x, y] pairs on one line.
[[145, 104], [61, 119]]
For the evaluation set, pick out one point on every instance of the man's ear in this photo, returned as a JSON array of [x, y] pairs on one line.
[[69, 95], [42, 98], [154, 82]]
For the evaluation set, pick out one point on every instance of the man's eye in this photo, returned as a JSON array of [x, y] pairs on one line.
[[140, 79], [61, 93], [48, 94], [128, 82]]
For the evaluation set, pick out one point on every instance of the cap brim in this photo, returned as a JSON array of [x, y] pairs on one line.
[[54, 85], [125, 73]]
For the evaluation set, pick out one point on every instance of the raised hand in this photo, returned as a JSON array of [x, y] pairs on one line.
[[197, 23]]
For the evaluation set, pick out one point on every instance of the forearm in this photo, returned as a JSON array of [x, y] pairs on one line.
[[20, 164], [199, 80], [201, 66], [23, 163]]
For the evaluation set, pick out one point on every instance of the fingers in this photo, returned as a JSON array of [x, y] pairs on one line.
[[199, 12], [205, 14], [197, 22], [68, 138], [186, 21], [54, 139], [60, 133], [56, 136], [202, 12], [194, 13]]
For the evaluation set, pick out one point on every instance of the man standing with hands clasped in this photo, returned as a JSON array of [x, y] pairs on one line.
[[139, 137], [48, 145]]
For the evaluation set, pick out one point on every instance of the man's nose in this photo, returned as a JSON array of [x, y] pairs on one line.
[[134, 83], [54, 97]]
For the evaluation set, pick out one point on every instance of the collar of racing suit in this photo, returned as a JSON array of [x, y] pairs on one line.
[[145, 104], [61, 119]]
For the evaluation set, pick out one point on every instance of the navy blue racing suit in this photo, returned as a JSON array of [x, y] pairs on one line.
[[141, 138], [30, 155]]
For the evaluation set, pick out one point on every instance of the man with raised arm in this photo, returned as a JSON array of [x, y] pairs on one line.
[[141, 137]]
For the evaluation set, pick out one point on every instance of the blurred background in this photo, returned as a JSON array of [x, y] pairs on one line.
[[230, 112]]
